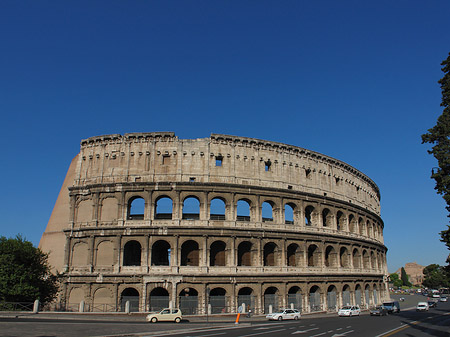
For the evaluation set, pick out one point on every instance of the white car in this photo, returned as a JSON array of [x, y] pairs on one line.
[[422, 306], [284, 314], [349, 310], [172, 315], [443, 299]]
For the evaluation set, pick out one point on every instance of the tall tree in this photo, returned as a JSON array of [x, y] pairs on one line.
[[405, 278], [25, 273], [434, 277], [439, 136]]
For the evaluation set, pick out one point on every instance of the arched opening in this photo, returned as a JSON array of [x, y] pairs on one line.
[[344, 257], [367, 296], [331, 298], [243, 210], [315, 302], [373, 260], [130, 295], [136, 208], [270, 250], [375, 294], [346, 298], [351, 224], [326, 218], [330, 257], [159, 299], [313, 256], [366, 260], [161, 253], [340, 221], [308, 215], [132, 253], [188, 300], [246, 298], [271, 300], [245, 254], [163, 208], [267, 212], [293, 258], [361, 226], [356, 258], [358, 294], [217, 255], [190, 253], [295, 298], [217, 209], [191, 208], [218, 301], [289, 214]]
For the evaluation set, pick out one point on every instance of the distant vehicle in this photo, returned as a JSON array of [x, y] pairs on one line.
[[401, 299], [422, 306], [349, 310], [432, 304], [379, 311], [171, 315], [443, 299], [392, 307], [284, 314]]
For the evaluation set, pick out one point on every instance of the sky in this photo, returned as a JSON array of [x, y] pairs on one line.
[[354, 80]]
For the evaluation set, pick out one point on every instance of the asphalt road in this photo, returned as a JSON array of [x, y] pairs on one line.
[[410, 323]]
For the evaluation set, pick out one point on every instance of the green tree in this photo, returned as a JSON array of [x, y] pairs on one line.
[[439, 137], [395, 279], [405, 278], [435, 277], [25, 273]]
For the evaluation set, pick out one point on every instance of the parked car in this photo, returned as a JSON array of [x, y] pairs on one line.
[[422, 306], [392, 307], [349, 310], [379, 311], [432, 304], [443, 299], [284, 314], [172, 315]]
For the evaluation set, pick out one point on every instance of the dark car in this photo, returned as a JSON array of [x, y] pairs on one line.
[[392, 307], [432, 304], [379, 311]]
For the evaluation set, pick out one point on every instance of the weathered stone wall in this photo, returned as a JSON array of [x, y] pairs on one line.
[[329, 251]]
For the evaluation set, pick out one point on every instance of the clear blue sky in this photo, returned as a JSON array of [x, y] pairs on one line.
[[355, 80]]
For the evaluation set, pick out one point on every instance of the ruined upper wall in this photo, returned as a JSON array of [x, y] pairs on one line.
[[162, 157]]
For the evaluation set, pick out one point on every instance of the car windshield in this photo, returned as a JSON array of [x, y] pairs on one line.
[[346, 308]]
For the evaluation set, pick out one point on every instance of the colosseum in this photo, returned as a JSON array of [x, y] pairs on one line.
[[146, 220]]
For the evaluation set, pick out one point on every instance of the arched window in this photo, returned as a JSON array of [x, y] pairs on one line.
[[293, 258], [361, 226], [130, 295], [188, 299], [315, 301], [271, 299], [136, 208], [267, 212], [217, 254], [313, 256], [340, 221], [332, 298], [330, 257], [358, 295], [270, 254], [344, 257], [217, 209], [243, 210], [308, 215], [326, 218], [190, 253], [246, 297], [351, 224], [366, 259], [191, 208], [159, 299], [218, 301], [295, 298], [346, 298], [163, 209], [132, 253], [356, 258], [245, 254], [161, 253], [288, 214]]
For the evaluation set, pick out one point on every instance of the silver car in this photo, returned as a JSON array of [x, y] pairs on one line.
[[284, 314]]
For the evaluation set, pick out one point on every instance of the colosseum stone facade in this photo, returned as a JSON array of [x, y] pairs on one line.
[[213, 223]]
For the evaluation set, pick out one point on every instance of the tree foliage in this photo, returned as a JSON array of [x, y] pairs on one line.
[[439, 137], [25, 273], [435, 277], [405, 278], [395, 279]]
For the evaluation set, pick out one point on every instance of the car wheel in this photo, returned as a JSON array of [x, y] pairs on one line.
[[295, 318], [154, 320], [280, 318], [350, 315], [177, 320]]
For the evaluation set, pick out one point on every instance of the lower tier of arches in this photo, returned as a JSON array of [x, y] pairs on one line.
[[221, 296]]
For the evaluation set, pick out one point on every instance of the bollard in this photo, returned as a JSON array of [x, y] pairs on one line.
[[270, 308], [36, 307], [127, 307], [81, 307], [209, 309], [292, 305]]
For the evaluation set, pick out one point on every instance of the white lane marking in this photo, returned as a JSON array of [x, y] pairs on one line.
[[343, 334], [261, 333], [213, 334], [304, 331], [385, 333], [319, 334]]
